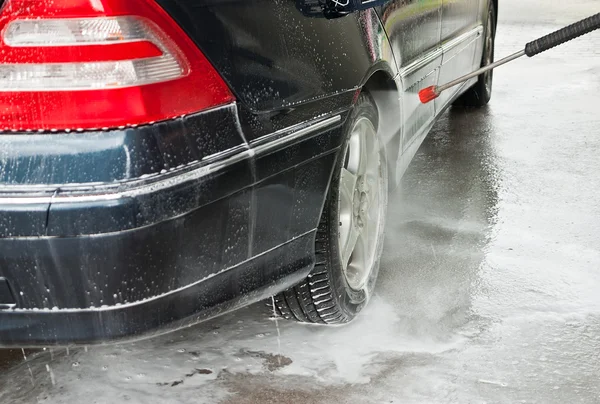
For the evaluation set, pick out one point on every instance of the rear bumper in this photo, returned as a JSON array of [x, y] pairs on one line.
[[97, 261], [247, 282]]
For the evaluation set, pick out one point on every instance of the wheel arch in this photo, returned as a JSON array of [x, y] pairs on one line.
[[384, 91]]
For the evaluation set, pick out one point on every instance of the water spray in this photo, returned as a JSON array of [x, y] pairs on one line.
[[533, 48]]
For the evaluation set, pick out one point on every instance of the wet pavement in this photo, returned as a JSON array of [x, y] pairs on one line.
[[490, 278]]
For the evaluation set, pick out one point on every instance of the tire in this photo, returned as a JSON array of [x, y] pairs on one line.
[[334, 293], [480, 94]]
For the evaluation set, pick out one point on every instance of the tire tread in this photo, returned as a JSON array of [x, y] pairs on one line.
[[313, 300]]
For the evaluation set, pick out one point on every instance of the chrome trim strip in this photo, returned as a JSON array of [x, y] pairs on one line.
[[453, 43], [225, 153], [301, 127], [46, 189], [418, 64], [211, 164], [432, 55], [270, 142]]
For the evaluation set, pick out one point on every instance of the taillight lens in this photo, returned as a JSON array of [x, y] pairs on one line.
[[86, 64]]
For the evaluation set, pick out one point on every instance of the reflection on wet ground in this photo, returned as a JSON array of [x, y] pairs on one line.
[[488, 286]]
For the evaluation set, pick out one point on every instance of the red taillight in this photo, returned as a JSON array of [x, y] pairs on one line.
[[86, 64]]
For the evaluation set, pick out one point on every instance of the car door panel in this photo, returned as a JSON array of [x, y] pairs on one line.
[[415, 76], [461, 34], [458, 60], [414, 31], [458, 17]]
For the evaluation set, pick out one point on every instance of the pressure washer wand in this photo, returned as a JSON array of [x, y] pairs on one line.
[[531, 49]]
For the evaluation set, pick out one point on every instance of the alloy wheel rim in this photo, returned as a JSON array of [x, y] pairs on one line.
[[360, 204]]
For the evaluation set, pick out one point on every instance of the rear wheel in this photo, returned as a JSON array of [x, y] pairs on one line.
[[480, 94], [349, 238]]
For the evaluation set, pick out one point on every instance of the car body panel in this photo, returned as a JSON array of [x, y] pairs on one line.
[[462, 27], [233, 287], [117, 233], [414, 30], [200, 235], [279, 57]]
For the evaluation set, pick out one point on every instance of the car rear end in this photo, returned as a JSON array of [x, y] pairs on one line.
[[130, 200]]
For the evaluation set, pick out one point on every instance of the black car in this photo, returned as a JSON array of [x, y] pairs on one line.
[[165, 161]]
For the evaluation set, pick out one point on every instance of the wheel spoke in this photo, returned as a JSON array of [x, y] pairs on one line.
[[371, 147], [348, 249], [346, 212], [364, 151], [372, 177], [353, 158], [373, 197], [365, 254], [359, 202], [359, 267], [347, 186]]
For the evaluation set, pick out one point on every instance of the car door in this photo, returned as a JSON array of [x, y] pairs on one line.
[[462, 31], [414, 32]]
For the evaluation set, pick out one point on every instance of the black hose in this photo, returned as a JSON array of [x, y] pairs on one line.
[[563, 35]]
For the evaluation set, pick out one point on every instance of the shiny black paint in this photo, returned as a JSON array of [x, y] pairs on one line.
[[113, 161], [75, 255], [7, 298], [98, 217], [218, 240], [250, 281], [115, 155], [256, 125], [413, 26], [275, 58], [213, 222], [269, 53], [414, 31], [459, 17], [23, 220]]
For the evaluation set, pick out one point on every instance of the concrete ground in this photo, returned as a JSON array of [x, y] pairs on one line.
[[489, 290]]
